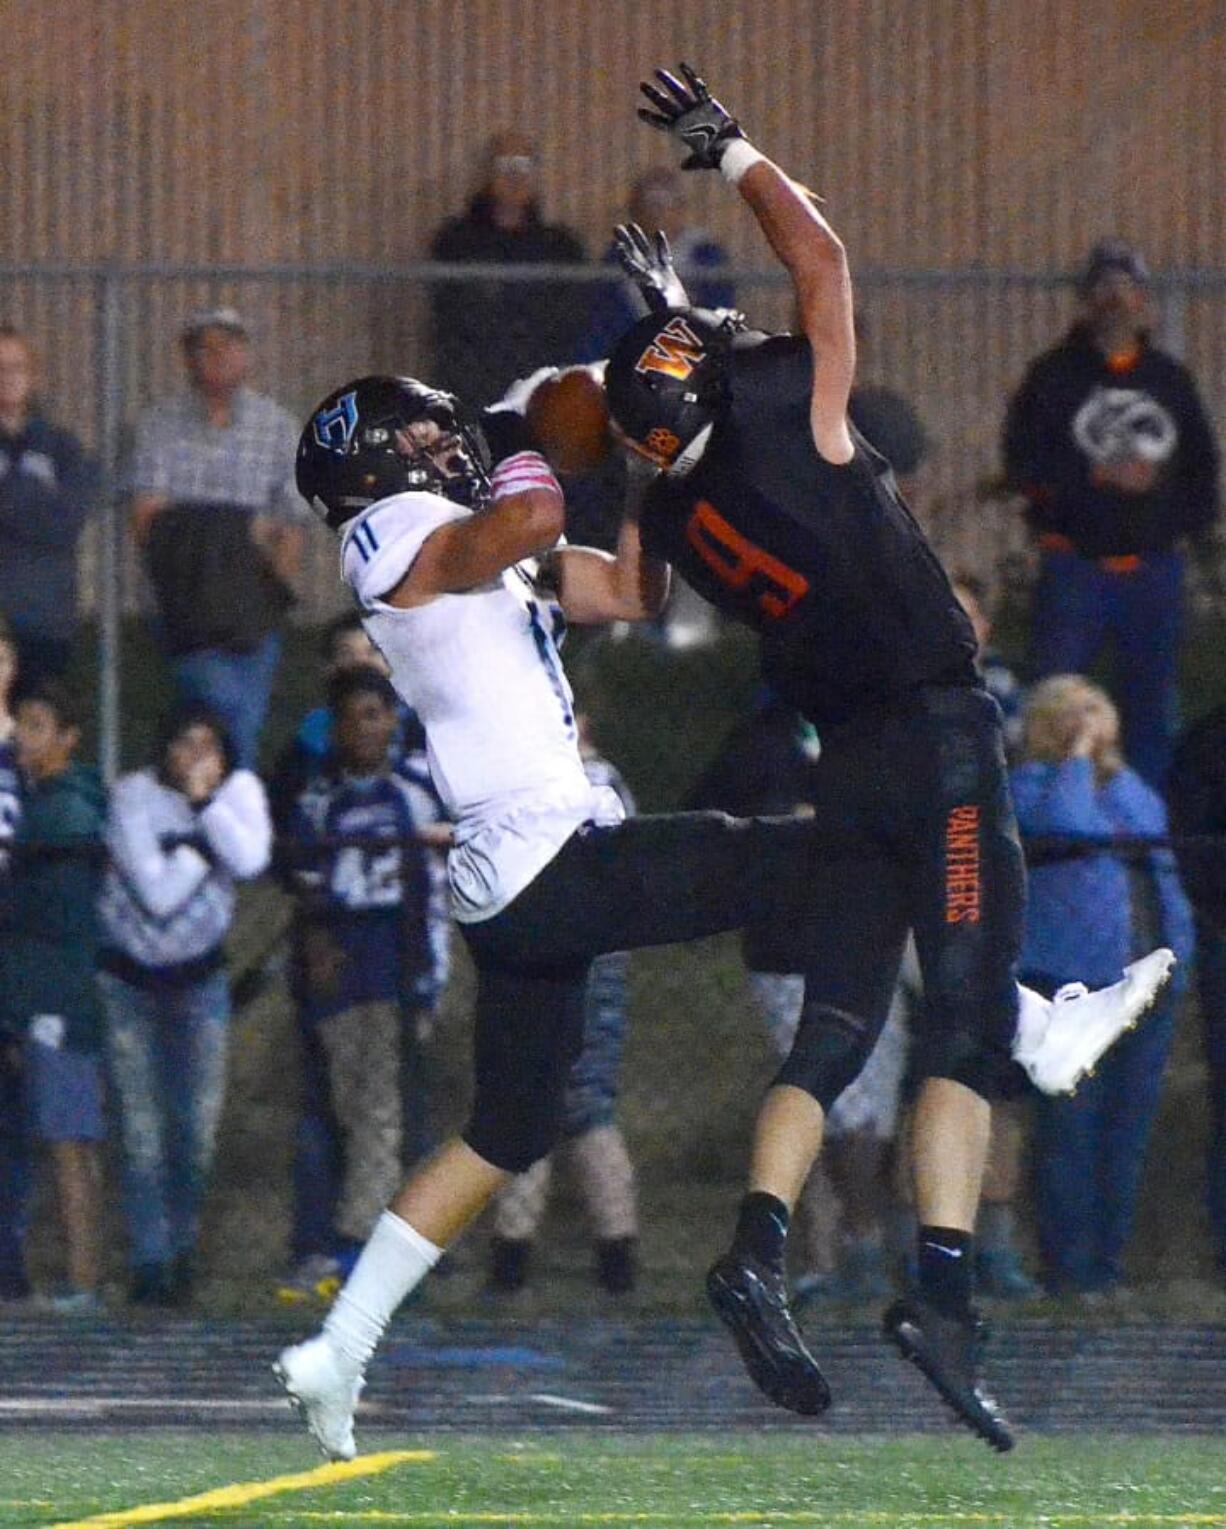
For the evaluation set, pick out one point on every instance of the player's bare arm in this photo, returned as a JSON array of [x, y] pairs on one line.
[[800, 236], [467, 553], [595, 586]]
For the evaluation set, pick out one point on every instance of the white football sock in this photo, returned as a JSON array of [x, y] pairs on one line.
[[393, 1262]]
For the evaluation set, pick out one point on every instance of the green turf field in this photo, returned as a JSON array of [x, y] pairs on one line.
[[756, 1480]]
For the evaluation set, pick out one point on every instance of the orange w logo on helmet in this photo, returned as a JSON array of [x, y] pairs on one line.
[[675, 351]]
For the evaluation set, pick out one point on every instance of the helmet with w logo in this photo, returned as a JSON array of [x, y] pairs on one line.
[[667, 383]]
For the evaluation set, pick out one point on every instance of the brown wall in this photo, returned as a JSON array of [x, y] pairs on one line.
[[945, 133]]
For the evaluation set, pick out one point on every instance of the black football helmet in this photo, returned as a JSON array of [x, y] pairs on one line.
[[667, 383], [358, 447]]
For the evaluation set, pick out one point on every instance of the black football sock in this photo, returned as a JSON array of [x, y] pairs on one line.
[[945, 1269], [762, 1228]]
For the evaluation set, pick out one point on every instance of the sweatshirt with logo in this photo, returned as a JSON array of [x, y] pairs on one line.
[[1079, 413]]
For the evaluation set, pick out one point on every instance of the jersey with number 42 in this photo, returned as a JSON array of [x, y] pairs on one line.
[[482, 671]]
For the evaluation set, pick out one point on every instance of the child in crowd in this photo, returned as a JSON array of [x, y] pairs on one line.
[[1089, 914], [591, 1138], [345, 646], [317, 1147], [182, 833], [49, 1006], [364, 967]]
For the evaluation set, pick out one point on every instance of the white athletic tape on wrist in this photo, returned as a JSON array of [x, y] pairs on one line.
[[737, 158], [520, 474]]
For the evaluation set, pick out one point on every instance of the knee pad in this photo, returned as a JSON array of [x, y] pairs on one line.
[[830, 1048], [517, 1121], [964, 1054], [510, 1139]]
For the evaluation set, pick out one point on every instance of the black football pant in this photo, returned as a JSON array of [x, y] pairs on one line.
[[913, 829]]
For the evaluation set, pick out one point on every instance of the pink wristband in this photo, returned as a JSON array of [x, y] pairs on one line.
[[520, 474]]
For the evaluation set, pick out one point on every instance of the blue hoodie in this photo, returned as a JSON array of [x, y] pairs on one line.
[[1079, 921]]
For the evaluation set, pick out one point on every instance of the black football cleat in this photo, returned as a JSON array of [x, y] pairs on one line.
[[752, 1302], [945, 1350]]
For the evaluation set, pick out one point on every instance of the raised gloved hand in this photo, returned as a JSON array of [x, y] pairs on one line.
[[650, 267], [691, 114]]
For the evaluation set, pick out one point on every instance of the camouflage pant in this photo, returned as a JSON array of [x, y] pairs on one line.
[[605, 1178], [362, 1046]]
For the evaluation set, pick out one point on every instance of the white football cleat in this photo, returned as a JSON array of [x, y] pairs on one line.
[[324, 1392], [1061, 1042]]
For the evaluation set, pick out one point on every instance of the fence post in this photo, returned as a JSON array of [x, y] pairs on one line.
[[110, 595]]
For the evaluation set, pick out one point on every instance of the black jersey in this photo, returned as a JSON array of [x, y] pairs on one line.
[[825, 562]]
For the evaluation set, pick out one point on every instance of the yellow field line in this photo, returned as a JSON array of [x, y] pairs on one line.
[[244, 1492]]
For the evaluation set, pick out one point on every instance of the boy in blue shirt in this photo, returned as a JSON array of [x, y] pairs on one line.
[[363, 965]]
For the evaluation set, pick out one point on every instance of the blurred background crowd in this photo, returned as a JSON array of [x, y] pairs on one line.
[[1050, 393]]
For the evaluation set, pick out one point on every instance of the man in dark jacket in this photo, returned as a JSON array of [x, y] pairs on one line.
[[1108, 440], [487, 333], [48, 486]]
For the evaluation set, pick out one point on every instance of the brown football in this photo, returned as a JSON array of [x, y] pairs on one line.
[[569, 421]]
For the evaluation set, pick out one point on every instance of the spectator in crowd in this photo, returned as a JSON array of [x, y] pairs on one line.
[[1090, 913], [998, 678], [220, 524], [487, 333], [1108, 441], [1196, 795], [48, 487], [314, 1251], [49, 1007], [14, 1138], [364, 965], [590, 1136], [181, 834], [345, 645], [658, 200]]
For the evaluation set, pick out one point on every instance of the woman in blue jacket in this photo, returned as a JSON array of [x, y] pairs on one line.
[[1089, 914]]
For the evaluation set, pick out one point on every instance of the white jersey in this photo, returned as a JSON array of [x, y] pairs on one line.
[[481, 670]]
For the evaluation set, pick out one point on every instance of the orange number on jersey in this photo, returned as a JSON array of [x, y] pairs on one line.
[[735, 560]]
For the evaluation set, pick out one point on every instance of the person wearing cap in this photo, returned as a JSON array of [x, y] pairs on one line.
[[219, 522], [1108, 441], [48, 488], [487, 333]]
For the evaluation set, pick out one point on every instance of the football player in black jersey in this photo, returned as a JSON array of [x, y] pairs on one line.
[[777, 510]]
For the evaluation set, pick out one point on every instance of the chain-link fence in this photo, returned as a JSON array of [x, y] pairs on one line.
[[954, 342]]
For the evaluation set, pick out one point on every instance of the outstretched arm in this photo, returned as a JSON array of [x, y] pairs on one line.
[[596, 586], [800, 236]]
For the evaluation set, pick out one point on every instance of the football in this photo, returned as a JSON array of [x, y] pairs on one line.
[[569, 421]]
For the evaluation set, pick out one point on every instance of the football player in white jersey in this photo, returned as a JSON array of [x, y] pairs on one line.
[[456, 556]]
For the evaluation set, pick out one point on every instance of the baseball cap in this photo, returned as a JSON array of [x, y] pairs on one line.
[[1112, 255], [229, 319]]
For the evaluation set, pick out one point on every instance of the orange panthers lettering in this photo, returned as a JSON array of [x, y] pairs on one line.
[[737, 562]]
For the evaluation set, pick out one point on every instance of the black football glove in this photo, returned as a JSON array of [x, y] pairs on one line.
[[691, 113], [650, 267]]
